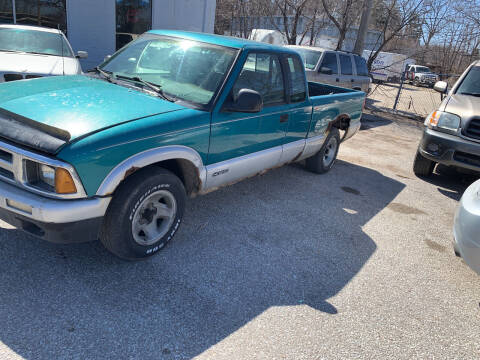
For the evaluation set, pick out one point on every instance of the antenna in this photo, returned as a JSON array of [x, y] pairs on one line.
[[63, 55]]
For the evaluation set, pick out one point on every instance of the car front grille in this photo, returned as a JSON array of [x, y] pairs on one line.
[[473, 129]]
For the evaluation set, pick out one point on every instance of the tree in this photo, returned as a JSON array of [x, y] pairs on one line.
[[396, 19], [343, 14]]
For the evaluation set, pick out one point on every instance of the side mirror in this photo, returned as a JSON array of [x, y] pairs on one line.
[[441, 87], [82, 55], [248, 101], [107, 57], [326, 70]]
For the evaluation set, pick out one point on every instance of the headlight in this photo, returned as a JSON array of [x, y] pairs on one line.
[[443, 120], [56, 180]]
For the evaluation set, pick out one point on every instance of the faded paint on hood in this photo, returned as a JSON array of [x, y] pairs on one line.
[[79, 104]]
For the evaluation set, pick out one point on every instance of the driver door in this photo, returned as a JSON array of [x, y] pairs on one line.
[[242, 144]]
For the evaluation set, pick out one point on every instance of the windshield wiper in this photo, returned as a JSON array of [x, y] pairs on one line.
[[106, 75], [471, 94], [152, 86]]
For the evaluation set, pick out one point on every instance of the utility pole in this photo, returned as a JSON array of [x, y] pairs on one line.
[[14, 11], [363, 29]]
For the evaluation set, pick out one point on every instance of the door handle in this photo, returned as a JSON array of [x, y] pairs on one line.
[[283, 118]]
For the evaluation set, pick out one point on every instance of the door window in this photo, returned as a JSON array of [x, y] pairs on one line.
[[361, 66], [297, 80], [330, 61], [262, 72], [346, 64]]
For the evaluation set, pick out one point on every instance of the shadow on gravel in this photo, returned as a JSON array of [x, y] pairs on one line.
[[286, 238], [451, 182]]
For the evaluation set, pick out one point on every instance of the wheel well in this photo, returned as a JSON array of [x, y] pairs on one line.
[[186, 172], [184, 169], [342, 122]]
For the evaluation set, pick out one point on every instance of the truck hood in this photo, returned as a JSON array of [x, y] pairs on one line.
[[69, 107], [464, 106], [25, 63]]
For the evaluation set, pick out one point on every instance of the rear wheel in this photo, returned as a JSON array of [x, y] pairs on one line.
[[144, 214], [324, 159], [416, 82], [422, 166]]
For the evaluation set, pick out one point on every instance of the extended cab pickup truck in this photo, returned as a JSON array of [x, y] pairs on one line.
[[113, 154]]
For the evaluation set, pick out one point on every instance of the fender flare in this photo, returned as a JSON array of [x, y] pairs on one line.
[[150, 157]]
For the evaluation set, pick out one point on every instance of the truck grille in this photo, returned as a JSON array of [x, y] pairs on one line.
[[473, 129], [6, 165]]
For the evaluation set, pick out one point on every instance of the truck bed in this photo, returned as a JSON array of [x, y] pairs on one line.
[[318, 89]]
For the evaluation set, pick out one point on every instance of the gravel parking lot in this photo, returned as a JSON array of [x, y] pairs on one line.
[[356, 263]]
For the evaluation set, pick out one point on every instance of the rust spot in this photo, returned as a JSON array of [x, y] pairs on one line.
[[130, 171]]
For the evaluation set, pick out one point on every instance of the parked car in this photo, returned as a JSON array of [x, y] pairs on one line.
[[114, 154], [387, 66], [28, 52], [421, 75], [466, 229], [334, 67], [452, 132]]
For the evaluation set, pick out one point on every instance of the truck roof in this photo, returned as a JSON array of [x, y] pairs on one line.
[[228, 41]]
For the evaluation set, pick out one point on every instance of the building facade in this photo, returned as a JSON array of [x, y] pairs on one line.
[[103, 26]]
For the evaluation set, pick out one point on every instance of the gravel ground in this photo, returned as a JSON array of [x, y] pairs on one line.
[[356, 263]]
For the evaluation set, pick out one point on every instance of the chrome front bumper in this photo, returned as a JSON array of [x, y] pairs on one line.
[[51, 219]]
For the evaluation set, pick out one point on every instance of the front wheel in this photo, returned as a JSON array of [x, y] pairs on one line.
[[422, 166], [324, 159], [144, 214]]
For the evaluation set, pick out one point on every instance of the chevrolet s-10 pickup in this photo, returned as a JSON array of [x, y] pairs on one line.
[[114, 154]]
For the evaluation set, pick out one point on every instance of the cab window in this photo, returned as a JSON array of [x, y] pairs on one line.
[[330, 61], [346, 64], [297, 79], [262, 72]]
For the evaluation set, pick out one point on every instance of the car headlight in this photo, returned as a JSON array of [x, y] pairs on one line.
[[444, 120], [48, 178]]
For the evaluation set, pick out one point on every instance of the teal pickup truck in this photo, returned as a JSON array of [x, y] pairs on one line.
[[114, 154]]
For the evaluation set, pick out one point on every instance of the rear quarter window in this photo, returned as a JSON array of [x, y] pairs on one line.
[[361, 66]]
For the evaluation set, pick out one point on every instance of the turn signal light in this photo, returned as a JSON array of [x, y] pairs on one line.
[[433, 118], [63, 182]]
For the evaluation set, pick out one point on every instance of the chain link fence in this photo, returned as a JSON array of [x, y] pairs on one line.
[[405, 98]]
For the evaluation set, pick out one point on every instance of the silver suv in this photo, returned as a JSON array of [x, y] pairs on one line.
[[452, 132], [337, 68]]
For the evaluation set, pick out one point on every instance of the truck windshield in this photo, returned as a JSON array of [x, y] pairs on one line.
[[422, 69], [309, 57], [184, 70], [33, 42], [471, 83]]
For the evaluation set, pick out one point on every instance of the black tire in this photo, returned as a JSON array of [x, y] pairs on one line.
[[316, 162], [416, 82], [422, 166], [117, 229]]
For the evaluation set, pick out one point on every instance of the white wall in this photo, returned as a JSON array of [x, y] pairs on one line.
[[191, 15], [91, 27]]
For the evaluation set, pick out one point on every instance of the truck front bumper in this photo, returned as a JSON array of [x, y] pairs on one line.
[[59, 221], [451, 150]]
